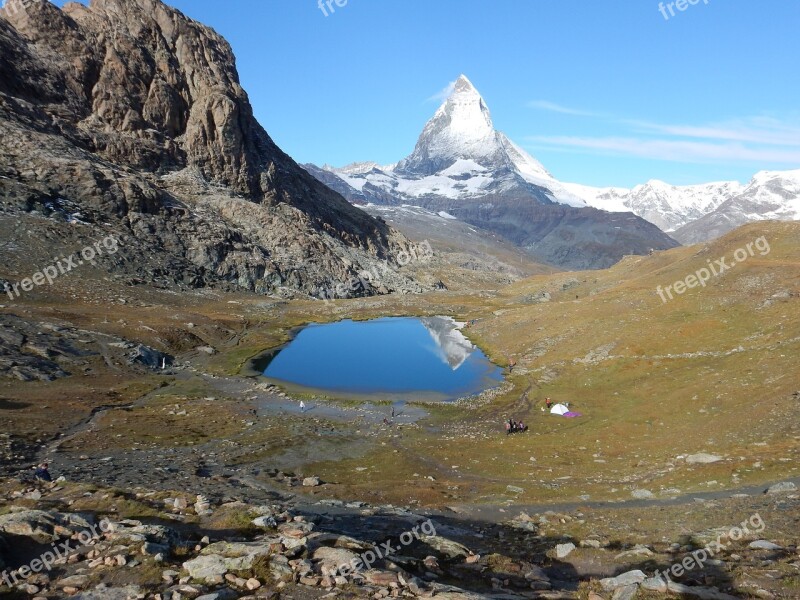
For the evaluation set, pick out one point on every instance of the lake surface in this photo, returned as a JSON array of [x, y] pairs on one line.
[[396, 358]]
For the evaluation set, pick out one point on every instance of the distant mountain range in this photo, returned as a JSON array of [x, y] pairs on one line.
[[698, 213], [463, 166]]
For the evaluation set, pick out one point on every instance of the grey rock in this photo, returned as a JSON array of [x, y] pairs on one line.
[[221, 594], [110, 593], [655, 584], [625, 579], [153, 359], [222, 557], [642, 494], [703, 459], [703, 593], [764, 545], [449, 548], [627, 592], [332, 558], [152, 549], [43, 526], [265, 522], [564, 550], [783, 487]]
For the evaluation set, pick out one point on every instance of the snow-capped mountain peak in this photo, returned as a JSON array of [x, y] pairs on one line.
[[461, 128], [459, 155]]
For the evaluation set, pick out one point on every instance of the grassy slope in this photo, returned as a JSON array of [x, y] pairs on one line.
[[630, 363], [711, 371]]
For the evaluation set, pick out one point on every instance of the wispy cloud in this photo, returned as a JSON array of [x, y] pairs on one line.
[[564, 110], [443, 94], [753, 139], [758, 130], [674, 150]]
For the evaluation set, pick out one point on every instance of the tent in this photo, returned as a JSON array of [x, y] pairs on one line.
[[559, 409]]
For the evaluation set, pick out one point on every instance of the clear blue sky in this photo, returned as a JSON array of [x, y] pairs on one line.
[[602, 92]]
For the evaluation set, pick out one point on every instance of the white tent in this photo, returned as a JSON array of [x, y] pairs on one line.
[[559, 409]]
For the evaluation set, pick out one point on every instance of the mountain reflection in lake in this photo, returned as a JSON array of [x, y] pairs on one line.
[[411, 358]]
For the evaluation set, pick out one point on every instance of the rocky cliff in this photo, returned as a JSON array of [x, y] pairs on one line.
[[127, 117]]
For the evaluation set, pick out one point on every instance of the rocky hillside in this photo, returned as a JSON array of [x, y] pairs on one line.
[[91, 543], [127, 117]]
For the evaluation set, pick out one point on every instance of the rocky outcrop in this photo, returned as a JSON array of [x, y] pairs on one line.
[[128, 117]]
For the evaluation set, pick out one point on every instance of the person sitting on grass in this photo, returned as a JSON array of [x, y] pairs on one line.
[[42, 473]]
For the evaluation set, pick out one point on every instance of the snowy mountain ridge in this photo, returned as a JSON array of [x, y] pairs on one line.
[[668, 206], [460, 156]]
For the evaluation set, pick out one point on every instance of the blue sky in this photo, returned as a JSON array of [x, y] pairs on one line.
[[601, 92]]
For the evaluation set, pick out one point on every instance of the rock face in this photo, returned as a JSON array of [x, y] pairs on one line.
[[128, 116]]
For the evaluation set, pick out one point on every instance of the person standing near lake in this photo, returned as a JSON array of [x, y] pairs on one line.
[[302, 406]]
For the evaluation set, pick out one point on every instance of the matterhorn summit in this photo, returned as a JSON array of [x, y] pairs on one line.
[[461, 129], [463, 167]]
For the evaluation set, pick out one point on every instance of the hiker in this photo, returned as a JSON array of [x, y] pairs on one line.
[[522, 427], [302, 406], [511, 364], [549, 403], [393, 411], [386, 421], [42, 473], [508, 428]]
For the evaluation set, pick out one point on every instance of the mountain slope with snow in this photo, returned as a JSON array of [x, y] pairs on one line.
[[668, 206], [462, 166], [770, 195]]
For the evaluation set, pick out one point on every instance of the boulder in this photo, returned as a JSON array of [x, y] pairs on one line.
[[642, 494], [221, 594], [783, 487], [265, 522], [110, 593], [627, 592], [330, 559], [703, 459], [448, 548], [564, 550], [223, 557], [381, 578], [151, 358], [764, 545], [338, 541], [625, 579], [132, 532], [703, 593], [43, 526]]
